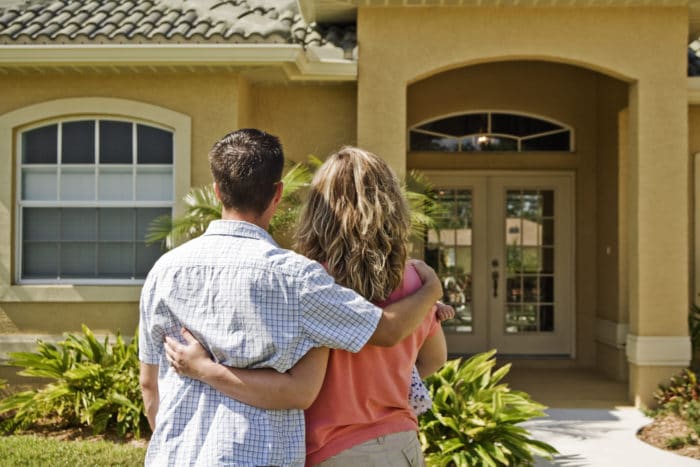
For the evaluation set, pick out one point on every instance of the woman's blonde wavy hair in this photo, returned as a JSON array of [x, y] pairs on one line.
[[356, 222]]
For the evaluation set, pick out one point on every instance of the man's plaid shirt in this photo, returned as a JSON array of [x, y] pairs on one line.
[[253, 305]]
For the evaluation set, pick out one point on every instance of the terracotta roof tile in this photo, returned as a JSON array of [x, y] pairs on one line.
[[98, 18], [163, 21], [67, 30], [142, 30], [54, 7], [61, 18], [11, 30], [106, 6], [77, 30], [8, 16], [47, 31]]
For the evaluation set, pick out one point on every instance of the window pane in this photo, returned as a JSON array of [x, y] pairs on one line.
[[116, 142], [78, 184], [146, 256], [459, 125], [556, 142], [116, 184], [547, 292], [488, 143], [116, 260], [154, 184], [39, 184], [39, 260], [547, 260], [79, 224], [548, 232], [39, 146], [519, 125], [77, 260], [423, 142], [144, 216], [116, 224], [40, 224], [78, 142], [546, 318], [155, 146]]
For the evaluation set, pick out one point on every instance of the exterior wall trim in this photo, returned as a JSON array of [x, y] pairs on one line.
[[296, 62], [658, 350], [612, 333], [9, 122]]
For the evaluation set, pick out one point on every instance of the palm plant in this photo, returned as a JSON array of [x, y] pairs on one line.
[[475, 417], [202, 207]]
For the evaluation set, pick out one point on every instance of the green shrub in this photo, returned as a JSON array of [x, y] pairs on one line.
[[94, 384], [680, 396], [681, 389], [694, 332], [474, 418]]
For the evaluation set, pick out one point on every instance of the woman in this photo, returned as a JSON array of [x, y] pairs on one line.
[[356, 223]]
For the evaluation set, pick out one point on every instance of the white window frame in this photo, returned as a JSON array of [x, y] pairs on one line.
[[11, 125], [58, 203]]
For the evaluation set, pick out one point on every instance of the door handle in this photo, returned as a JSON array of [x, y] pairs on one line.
[[494, 277]]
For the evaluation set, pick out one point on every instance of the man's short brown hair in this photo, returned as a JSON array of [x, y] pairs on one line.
[[246, 165]]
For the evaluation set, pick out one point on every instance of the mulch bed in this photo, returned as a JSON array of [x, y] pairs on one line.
[[666, 427]]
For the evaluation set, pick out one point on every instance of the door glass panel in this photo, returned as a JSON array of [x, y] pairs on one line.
[[450, 254], [530, 235]]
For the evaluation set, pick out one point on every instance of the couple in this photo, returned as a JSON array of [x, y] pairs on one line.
[[266, 317]]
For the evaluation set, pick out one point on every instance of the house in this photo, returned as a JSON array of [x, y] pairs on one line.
[[560, 134]]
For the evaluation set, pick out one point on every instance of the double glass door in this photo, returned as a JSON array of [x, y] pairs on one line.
[[504, 253]]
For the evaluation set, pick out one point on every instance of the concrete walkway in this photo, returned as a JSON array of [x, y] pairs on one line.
[[600, 438]]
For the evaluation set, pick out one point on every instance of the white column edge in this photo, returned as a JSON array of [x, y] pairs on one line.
[[612, 333], [658, 350]]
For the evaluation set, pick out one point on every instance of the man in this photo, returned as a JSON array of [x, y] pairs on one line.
[[253, 305]]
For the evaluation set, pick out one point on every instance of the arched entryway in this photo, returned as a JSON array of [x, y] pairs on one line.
[[526, 155]]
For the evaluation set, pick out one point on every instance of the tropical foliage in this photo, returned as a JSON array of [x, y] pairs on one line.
[[93, 383], [202, 207], [475, 417], [680, 397], [694, 332]]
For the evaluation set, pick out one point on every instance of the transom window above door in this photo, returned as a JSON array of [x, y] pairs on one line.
[[490, 131], [87, 189]]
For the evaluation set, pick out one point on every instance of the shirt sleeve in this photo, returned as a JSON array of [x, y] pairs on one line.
[[332, 315], [150, 345]]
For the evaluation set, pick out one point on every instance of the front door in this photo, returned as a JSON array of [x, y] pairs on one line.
[[504, 253]]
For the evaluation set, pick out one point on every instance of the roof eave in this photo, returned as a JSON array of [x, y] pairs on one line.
[[291, 57]]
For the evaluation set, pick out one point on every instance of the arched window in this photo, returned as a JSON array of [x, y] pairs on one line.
[[490, 131], [87, 190]]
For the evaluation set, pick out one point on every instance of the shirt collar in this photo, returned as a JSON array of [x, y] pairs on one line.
[[239, 229]]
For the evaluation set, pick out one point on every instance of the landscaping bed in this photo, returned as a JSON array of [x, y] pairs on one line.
[[671, 432]]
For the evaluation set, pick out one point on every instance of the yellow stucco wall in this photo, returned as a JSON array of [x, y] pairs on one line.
[[309, 118], [210, 99], [56, 318]]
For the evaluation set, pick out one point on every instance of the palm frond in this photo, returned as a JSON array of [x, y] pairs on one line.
[[201, 207], [296, 178]]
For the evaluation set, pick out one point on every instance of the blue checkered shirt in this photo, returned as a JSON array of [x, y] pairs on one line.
[[253, 305]]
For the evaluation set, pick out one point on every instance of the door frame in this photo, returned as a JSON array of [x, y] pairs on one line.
[[476, 179]]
